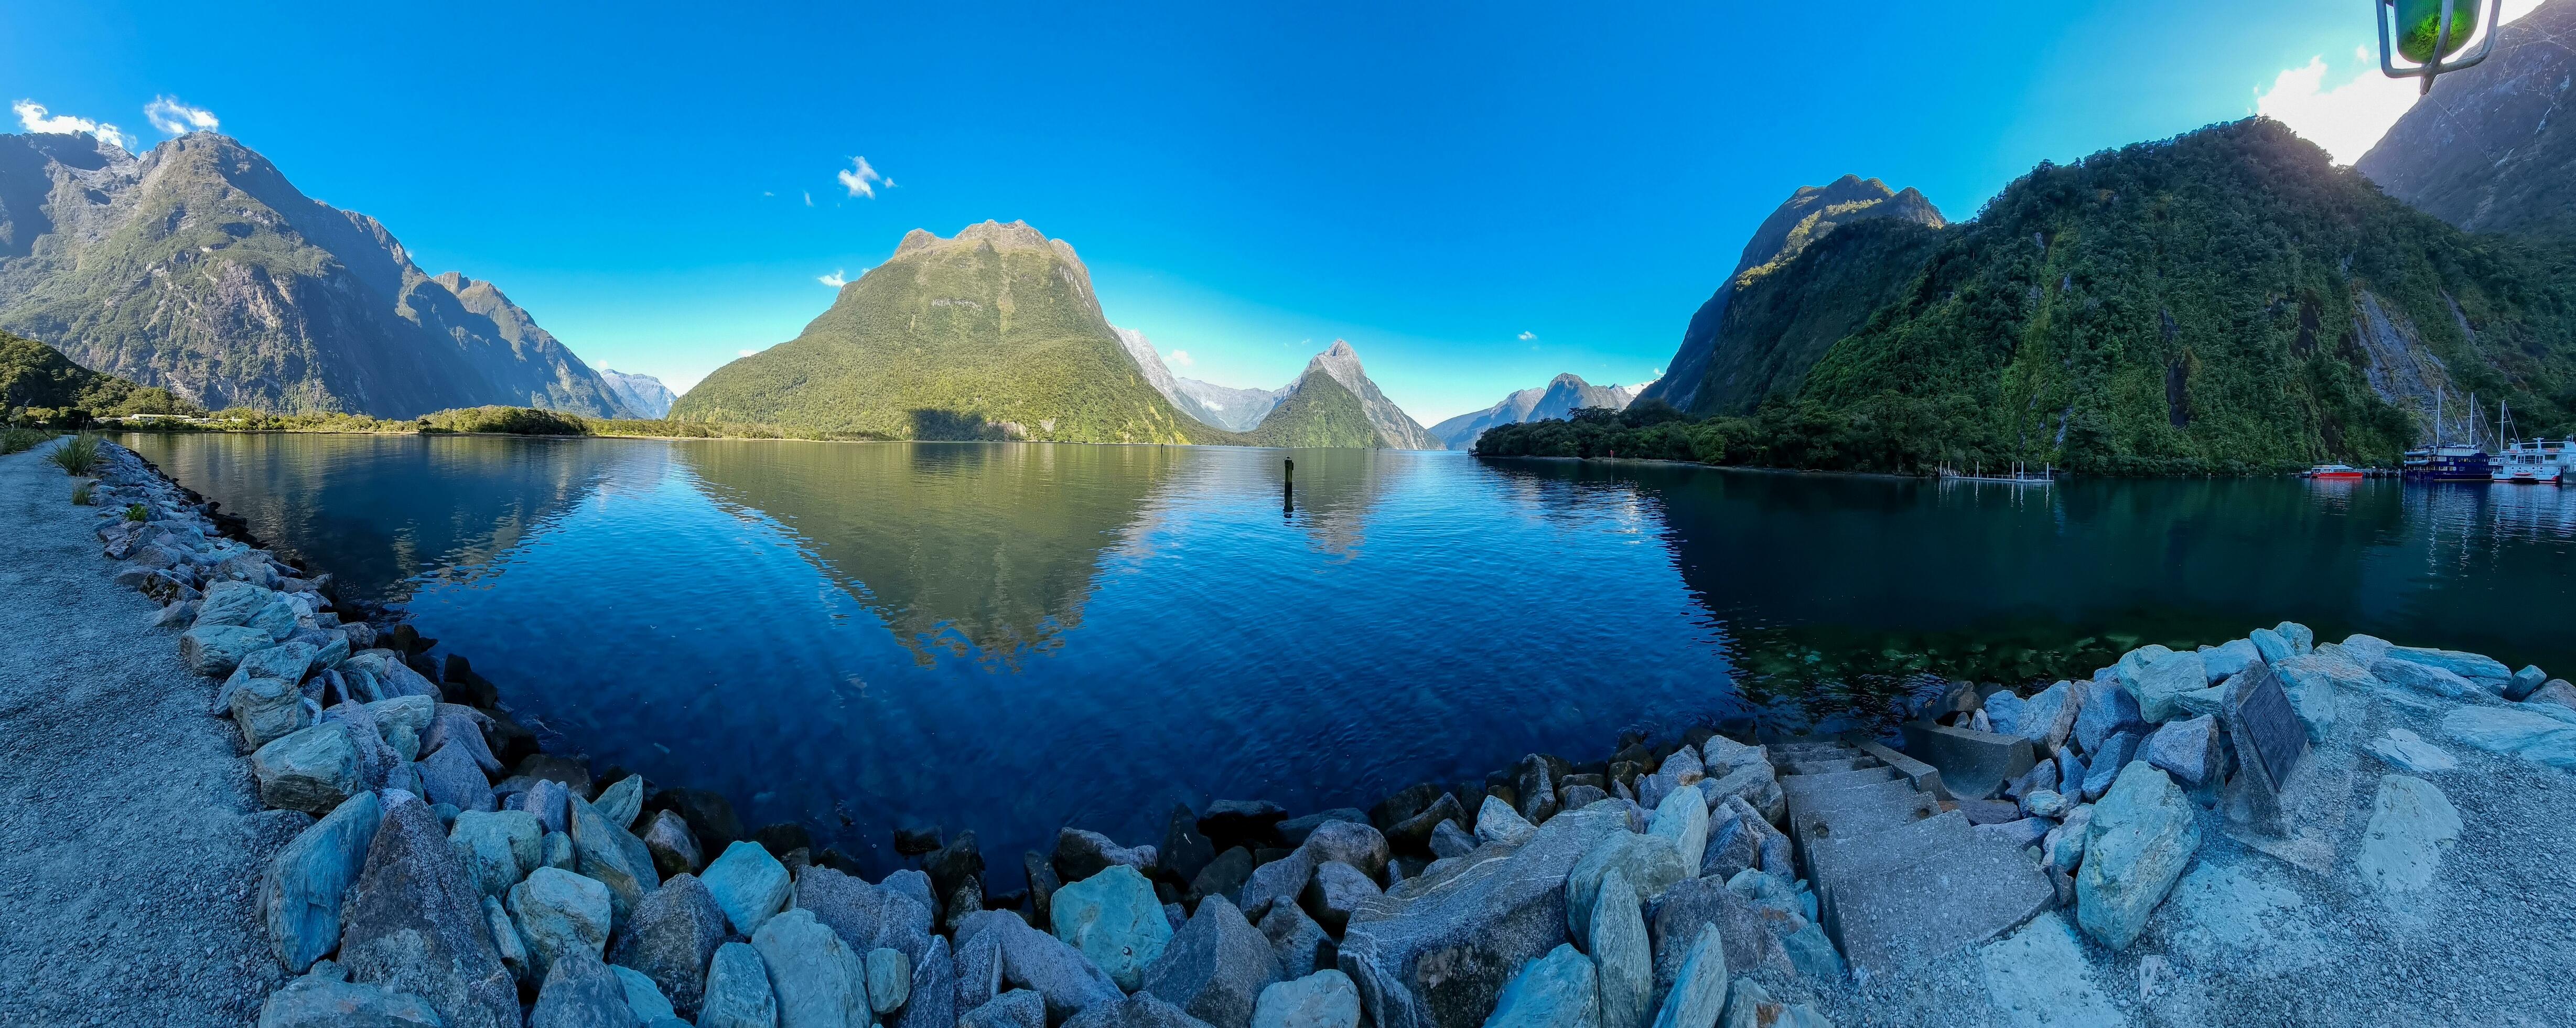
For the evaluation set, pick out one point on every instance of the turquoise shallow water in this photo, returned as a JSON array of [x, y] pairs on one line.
[[1012, 637]]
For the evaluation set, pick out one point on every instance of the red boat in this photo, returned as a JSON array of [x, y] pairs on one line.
[[2334, 472]]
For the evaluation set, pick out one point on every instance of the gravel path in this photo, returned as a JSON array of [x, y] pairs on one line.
[[131, 842]]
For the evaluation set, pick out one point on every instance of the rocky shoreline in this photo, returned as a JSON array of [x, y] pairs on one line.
[[450, 872]]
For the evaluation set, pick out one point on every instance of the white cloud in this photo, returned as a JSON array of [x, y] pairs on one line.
[[1527, 337], [178, 119], [861, 178], [809, 199], [836, 279], [745, 353], [2345, 119], [1183, 358], [34, 118]]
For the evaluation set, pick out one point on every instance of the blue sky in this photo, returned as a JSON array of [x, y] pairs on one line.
[[1477, 196]]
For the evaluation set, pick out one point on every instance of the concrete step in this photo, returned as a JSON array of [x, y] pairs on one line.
[[1797, 788], [1819, 767], [1808, 751], [1849, 859], [1858, 810], [1949, 899]]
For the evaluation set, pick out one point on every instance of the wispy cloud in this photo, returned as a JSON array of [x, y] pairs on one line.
[[33, 117], [2346, 119], [836, 279], [1183, 358], [862, 178], [1529, 337], [178, 119]]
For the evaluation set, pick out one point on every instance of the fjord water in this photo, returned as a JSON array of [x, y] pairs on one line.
[[1013, 637]]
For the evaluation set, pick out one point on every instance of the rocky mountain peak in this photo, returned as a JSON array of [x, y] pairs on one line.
[[2491, 150], [1341, 362]]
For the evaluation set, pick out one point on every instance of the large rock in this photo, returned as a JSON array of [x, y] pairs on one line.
[[1018, 1008], [1440, 957], [415, 924], [613, 855], [889, 979], [301, 893], [2490, 673], [1559, 990], [620, 803], [749, 885], [934, 990], [1021, 957], [2158, 680], [497, 847], [2536, 737], [2423, 678], [1353, 843], [2187, 750], [1682, 819], [1302, 945], [1497, 822], [867, 916], [2411, 823], [644, 997], [2047, 718], [581, 992], [1142, 1010], [817, 977], [311, 770], [738, 994], [2144, 833], [1113, 918], [1535, 784], [451, 778], [673, 846], [1754, 783], [1621, 954], [263, 695], [670, 938], [1215, 967], [2525, 682], [1743, 929], [1325, 999], [1081, 854], [326, 1001], [2114, 755], [1699, 989], [229, 603], [1337, 891], [1648, 865], [2314, 680], [558, 913], [215, 650], [2106, 710], [2228, 658]]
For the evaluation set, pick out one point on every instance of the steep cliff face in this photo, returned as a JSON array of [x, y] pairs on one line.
[[2493, 148], [1810, 215], [643, 396], [199, 268]]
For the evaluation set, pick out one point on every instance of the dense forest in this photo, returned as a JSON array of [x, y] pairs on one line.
[[2227, 301], [39, 384]]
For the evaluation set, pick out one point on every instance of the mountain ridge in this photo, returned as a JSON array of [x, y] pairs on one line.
[[1559, 398], [2490, 149], [198, 267]]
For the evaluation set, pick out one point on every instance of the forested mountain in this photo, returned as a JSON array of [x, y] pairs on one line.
[[2493, 148], [1561, 396], [1333, 403], [36, 376], [1715, 370], [2224, 300], [199, 268]]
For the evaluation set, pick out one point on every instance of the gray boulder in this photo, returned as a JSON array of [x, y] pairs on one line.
[[1535, 784], [2423, 678], [1113, 918], [613, 856], [1449, 840], [749, 885], [413, 712], [620, 803], [1336, 892], [1216, 967], [1682, 820], [2115, 754], [301, 893], [1081, 854], [2411, 824], [1325, 999], [1707, 904], [671, 937], [889, 979], [2144, 833], [818, 979], [1142, 1010], [229, 603], [2186, 750], [415, 924], [1497, 822], [1622, 956], [1648, 865], [867, 916], [2003, 711], [643, 997], [581, 992], [2525, 682], [1699, 989], [738, 993], [507, 941], [1303, 947], [1007, 953], [934, 990], [2106, 709], [215, 650], [498, 848], [451, 778], [558, 913], [559, 853], [2157, 677], [673, 846], [2490, 673], [2047, 719], [263, 696], [1441, 956], [325, 1001], [312, 770], [1353, 843], [2229, 658], [1559, 990], [1018, 1008]]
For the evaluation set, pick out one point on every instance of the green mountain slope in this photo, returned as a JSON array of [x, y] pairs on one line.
[[199, 268], [994, 334], [1320, 413], [33, 374], [1784, 317], [2226, 300], [1706, 372]]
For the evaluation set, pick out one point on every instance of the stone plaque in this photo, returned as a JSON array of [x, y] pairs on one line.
[[2269, 722]]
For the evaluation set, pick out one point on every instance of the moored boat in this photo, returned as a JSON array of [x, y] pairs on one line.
[[2333, 472]]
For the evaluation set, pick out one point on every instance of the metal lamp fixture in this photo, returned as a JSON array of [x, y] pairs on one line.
[[2429, 33]]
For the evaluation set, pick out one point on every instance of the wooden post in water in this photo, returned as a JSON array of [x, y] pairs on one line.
[[1287, 487]]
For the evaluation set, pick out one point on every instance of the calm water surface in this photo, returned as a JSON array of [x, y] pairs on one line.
[[1012, 637]]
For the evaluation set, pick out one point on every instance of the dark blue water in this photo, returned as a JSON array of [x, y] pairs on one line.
[[1013, 637]]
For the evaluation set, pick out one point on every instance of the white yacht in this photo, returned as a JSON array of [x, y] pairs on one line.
[[2540, 461]]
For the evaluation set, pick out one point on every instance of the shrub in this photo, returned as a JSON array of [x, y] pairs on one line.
[[78, 456], [13, 440], [80, 493], [136, 512]]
